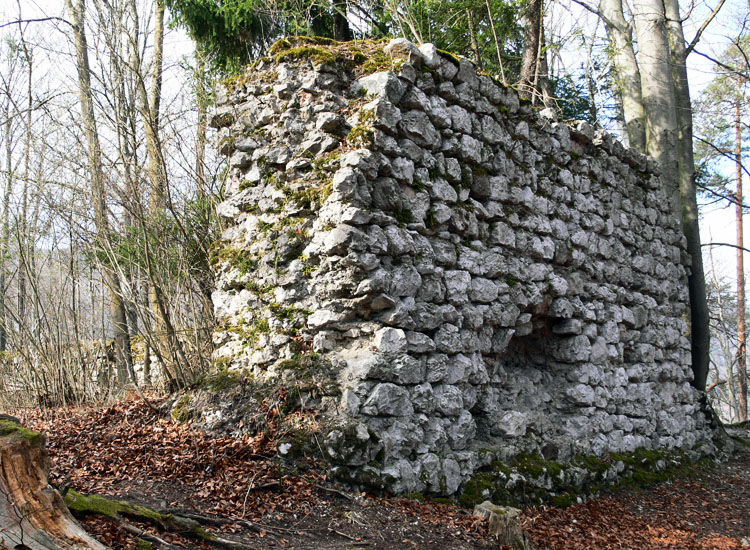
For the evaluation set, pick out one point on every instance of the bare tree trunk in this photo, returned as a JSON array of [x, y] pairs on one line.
[[531, 43], [473, 38], [150, 111], [497, 42], [590, 84], [22, 234], [627, 73], [98, 192], [202, 140], [542, 84], [699, 316], [657, 88], [341, 30], [741, 337], [5, 237]]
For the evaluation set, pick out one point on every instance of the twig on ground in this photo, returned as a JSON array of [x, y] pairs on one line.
[[332, 490]]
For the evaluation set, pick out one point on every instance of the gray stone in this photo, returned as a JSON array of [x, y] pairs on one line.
[[461, 431], [422, 398], [581, 394], [483, 290], [388, 399], [449, 400], [402, 48], [568, 327], [343, 237], [574, 349], [416, 126], [390, 340], [384, 84], [387, 115], [511, 424], [457, 284], [448, 338]]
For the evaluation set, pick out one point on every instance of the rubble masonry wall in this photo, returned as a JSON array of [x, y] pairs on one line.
[[472, 278]]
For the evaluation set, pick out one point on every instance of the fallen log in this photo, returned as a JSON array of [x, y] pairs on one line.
[[82, 505], [33, 515]]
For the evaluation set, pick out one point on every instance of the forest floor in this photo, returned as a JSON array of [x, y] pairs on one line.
[[128, 451]]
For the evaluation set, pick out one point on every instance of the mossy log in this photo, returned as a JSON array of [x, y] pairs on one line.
[[118, 510], [33, 515]]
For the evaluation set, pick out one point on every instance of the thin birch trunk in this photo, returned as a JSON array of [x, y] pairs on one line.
[[473, 38], [5, 238], [497, 42]]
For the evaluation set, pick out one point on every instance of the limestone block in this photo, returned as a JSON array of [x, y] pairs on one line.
[[383, 84], [388, 399]]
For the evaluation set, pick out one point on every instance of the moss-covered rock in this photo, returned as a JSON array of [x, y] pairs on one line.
[[11, 427], [529, 479]]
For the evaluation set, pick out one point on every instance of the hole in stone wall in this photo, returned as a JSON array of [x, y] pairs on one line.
[[518, 410]]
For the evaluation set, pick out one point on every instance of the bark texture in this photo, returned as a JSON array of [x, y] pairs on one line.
[[741, 336], [628, 76], [699, 320], [32, 514], [657, 89], [532, 42]]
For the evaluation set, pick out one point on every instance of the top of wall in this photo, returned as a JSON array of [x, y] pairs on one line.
[[363, 59]]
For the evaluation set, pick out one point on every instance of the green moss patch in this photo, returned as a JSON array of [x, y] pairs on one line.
[[317, 55], [360, 136], [222, 379], [539, 481], [82, 505], [8, 427], [182, 412], [222, 254]]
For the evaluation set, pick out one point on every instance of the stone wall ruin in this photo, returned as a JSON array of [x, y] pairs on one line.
[[466, 277]]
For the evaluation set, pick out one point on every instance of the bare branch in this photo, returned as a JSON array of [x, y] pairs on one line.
[[39, 20], [721, 152], [726, 244], [705, 24]]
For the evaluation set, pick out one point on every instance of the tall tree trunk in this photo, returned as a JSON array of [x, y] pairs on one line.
[[150, 108], [532, 40], [5, 237], [98, 192], [741, 337], [699, 316], [628, 76], [657, 87], [473, 37], [201, 139], [341, 30], [542, 83], [22, 229], [589, 73], [150, 111], [497, 42]]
